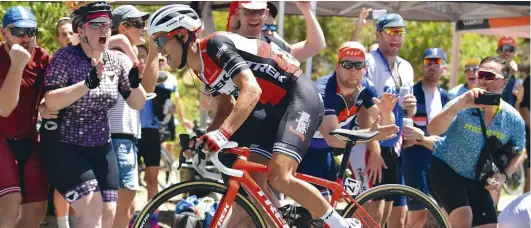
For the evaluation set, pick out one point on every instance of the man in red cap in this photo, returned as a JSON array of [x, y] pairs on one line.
[[506, 50]]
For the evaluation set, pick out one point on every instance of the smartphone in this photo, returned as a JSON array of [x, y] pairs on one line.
[[376, 14], [488, 99]]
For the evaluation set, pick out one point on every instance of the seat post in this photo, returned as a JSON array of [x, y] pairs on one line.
[[344, 161]]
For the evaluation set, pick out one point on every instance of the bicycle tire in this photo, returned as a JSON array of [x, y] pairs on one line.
[[176, 189], [395, 189]]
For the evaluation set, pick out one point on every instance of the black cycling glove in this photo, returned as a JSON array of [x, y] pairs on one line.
[[134, 77], [92, 81]]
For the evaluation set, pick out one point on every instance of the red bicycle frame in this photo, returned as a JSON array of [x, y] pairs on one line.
[[255, 192]]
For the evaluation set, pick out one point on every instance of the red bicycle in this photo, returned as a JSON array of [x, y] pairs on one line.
[[243, 190]]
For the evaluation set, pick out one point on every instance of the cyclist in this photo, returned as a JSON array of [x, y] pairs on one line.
[[471, 66], [343, 95], [524, 112], [84, 82], [452, 171], [267, 82], [23, 186]]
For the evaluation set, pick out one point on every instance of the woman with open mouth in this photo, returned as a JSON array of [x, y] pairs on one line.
[[83, 82]]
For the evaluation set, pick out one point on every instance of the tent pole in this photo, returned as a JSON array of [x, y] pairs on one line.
[[309, 61], [455, 56], [281, 10]]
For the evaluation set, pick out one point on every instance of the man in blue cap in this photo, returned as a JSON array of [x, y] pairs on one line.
[[418, 146], [387, 72], [23, 185]]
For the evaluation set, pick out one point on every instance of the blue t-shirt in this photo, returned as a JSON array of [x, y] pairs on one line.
[[457, 91], [462, 145], [147, 116]]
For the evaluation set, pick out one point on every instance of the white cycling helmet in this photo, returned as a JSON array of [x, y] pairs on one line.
[[171, 17]]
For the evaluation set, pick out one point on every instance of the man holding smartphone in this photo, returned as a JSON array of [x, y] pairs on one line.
[[452, 172]]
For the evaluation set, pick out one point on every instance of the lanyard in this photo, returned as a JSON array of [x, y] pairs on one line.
[[398, 82]]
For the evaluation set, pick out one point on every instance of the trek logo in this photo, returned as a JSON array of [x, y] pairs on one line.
[[266, 68], [223, 215], [222, 82], [273, 209]]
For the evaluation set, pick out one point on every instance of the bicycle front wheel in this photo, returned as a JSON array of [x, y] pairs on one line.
[[410, 193], [185, 189]]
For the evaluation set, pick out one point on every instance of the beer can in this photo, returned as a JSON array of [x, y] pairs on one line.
[[407, 122], [404, 90]]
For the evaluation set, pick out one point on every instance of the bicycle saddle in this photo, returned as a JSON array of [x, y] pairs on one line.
[[353, 135]]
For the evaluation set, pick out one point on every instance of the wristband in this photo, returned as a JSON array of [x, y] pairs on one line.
[[225, 133]]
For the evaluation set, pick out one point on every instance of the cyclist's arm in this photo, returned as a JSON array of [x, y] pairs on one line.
[[121, 42], [224, 106], [315, 41], [250, 92], [365, 122], [151, 70]]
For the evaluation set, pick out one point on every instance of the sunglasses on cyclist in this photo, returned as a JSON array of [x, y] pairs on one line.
[[21, 32], [489, 76], [137, 24], [349, 64], [163, 39], [507, 48], [97, 25], [270, 27], [395, 31], [473, 69], [429, 62]]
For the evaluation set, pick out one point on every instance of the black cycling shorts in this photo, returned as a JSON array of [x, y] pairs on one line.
[[454, 191], [393, 174], [284, 130], [149, 147]]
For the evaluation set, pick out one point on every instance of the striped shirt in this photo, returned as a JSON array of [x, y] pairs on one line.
[[122, 118]]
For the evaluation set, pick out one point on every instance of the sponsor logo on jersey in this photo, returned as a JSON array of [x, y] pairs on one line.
[[268, 69]]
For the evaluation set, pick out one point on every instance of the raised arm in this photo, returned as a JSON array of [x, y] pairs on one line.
[[315, 41], [10, 85], [362, 21]]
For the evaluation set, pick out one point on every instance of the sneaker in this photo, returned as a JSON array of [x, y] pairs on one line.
[[353, 223]]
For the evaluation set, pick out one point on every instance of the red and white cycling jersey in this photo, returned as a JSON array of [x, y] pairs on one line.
[[224, 55]]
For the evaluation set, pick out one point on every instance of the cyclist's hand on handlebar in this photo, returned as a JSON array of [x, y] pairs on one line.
[[213, 140], [384, 132]]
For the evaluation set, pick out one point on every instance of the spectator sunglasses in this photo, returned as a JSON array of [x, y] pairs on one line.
[[139, 24], [349, 64], [434, 61], [270, 27], [21, 32], [488, 75]]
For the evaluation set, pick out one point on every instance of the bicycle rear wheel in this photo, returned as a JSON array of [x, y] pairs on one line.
[[394, 190], [184, 189]]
